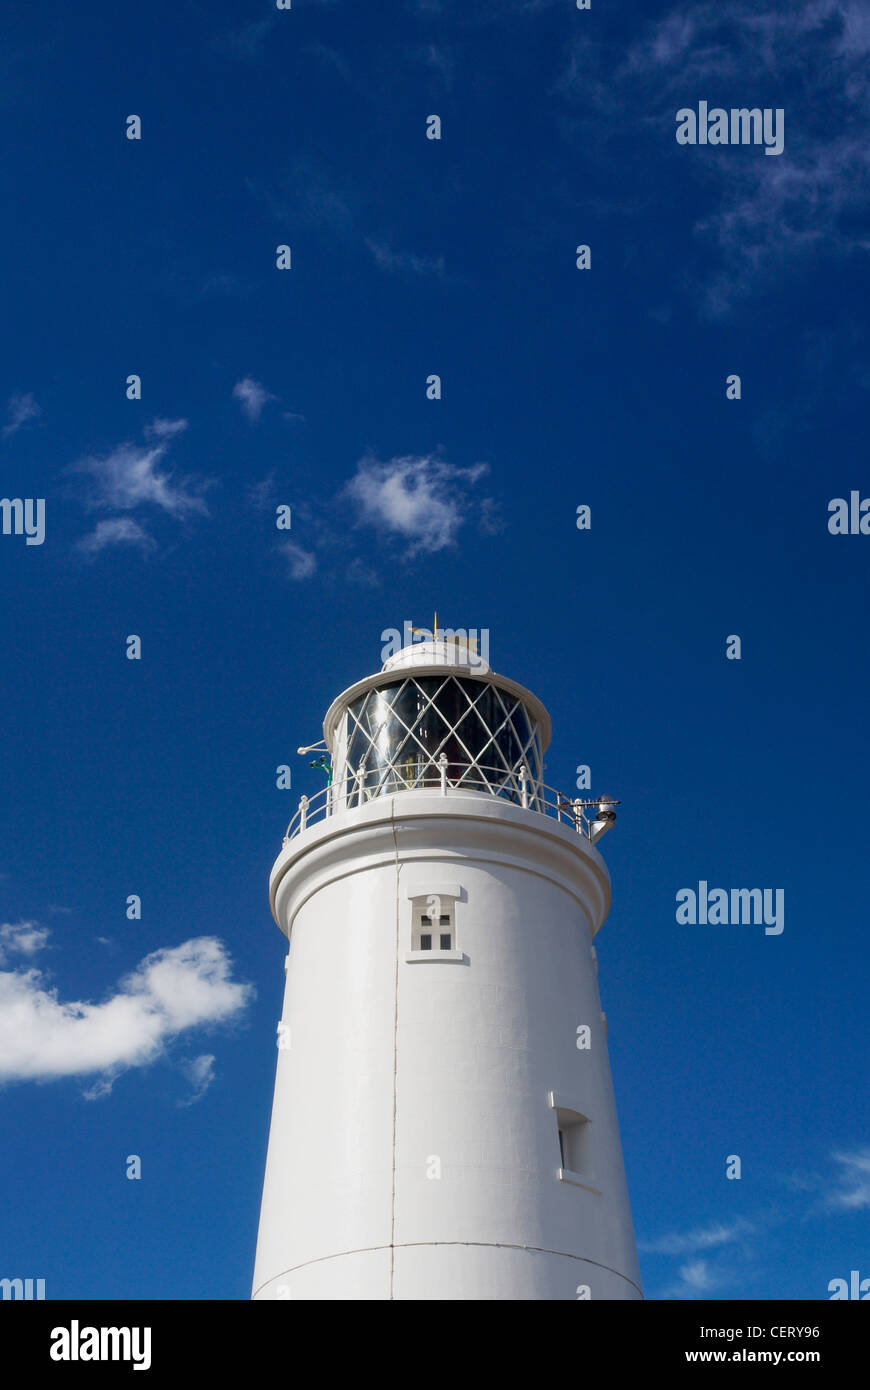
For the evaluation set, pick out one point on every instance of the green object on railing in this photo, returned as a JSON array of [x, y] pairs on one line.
[[325, 766]]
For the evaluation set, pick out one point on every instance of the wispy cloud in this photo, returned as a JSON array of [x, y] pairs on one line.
[[701, 1238], [245, 43], [768, 217], [852, 1188], [725, 1253], [728, 1242], [262, 495], [116, 530], [22, 939], [19, 409], [419, 498], [133, 475], [771, 222], [300, 563], [220, 283], [161, 428], [440, 59], [696, 1280], [309, 195], [331, 57], [421, 502], [171, 991], [200, 1073], [844, 1187], [404, 262], [361, 575], [252, 396]]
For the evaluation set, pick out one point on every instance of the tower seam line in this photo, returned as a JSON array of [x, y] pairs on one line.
[[481, 1244], [395, 1049]]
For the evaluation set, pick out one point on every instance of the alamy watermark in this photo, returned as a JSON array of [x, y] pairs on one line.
[[741, 125], [24, 516], [838, 1288], [76, 1343], [739, 907], [850, 518], [471, 645], [22, 1288]]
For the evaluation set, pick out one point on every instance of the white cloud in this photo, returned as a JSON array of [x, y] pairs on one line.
[[253, 397], [115, 530], [853, 1187], [20, 408], [694, 1281], [22, 938], [492, 522], [772, 218], [171, 991], [261, 495], [164, 429], [200, 1073], [768, 216], [696, 1277], [420, 498], [302, 563], [130, 476], [702, 1238]]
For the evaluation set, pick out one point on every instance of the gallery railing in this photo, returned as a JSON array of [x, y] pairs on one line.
[[447, 776]]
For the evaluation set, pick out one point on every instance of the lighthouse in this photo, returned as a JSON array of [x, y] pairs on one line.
[[444, 1123]]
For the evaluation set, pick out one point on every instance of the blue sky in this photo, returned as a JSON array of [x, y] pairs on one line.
[[307, 387]]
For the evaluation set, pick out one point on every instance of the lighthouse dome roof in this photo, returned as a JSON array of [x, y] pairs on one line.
[[454, 651]]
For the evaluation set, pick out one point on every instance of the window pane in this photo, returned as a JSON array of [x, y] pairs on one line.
[[395, 736], [445, 941], [426, 942]]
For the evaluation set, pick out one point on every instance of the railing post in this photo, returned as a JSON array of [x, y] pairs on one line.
[[524, 787], [578, 816], [442, 765], [303, 812]]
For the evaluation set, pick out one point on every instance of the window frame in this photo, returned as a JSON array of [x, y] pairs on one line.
[[422, 927], [575, 1144]]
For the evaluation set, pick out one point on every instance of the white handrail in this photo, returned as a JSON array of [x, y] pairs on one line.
[[517, 786]]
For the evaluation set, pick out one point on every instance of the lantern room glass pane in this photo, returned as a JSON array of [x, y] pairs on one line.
[[397, 732]]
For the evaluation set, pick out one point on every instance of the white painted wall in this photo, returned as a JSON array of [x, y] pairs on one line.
[[392, 1064]]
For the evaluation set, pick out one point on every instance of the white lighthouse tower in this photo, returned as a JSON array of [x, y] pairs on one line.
[[444, 1125]]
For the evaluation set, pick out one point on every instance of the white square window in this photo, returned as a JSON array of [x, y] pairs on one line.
[[433, 928]]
